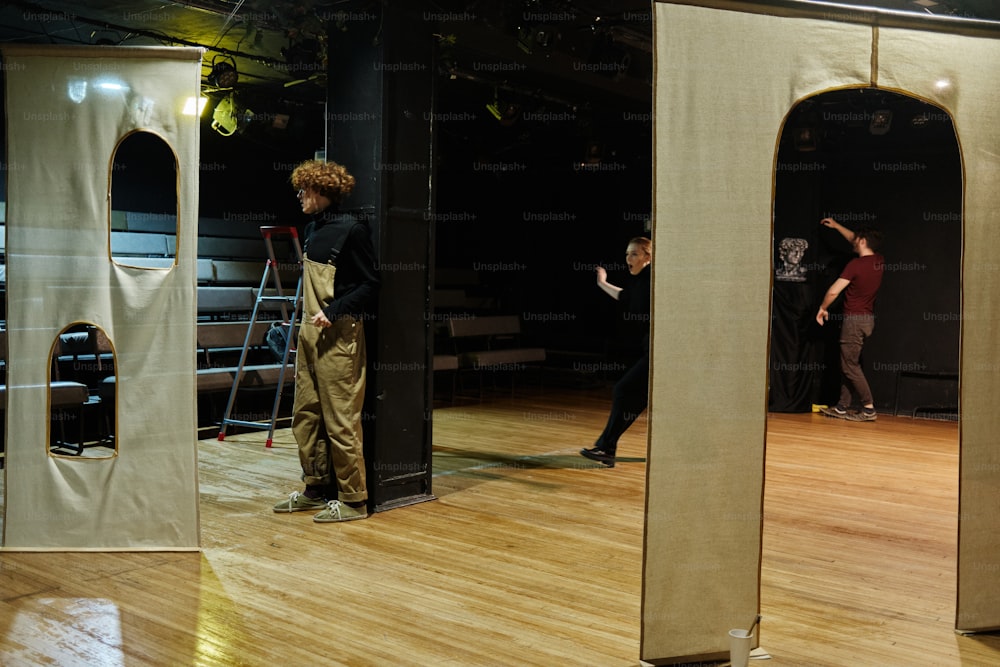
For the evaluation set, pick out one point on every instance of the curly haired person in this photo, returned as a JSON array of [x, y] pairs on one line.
[[340, 281]]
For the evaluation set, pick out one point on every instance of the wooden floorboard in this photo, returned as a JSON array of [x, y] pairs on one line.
[[531, 555]]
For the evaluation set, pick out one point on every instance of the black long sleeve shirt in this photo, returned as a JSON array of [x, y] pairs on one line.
[[346, 242], [635, 304]]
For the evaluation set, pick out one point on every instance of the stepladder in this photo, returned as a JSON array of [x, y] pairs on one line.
[[270, 292]]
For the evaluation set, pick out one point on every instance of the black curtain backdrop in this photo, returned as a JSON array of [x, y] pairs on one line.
[[907, 183], [797, 364]]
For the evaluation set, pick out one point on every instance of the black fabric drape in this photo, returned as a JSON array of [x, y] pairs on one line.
[[796, 356]]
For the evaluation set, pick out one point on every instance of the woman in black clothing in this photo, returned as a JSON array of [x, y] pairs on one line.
[[631, 392]]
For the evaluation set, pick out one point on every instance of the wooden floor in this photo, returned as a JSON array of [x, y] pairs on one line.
[[531, 555]]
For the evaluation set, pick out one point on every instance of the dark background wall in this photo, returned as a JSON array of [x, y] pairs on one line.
[[520, 205]]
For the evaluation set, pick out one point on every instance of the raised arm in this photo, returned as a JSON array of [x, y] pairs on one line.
[[844, 231], [602, 281]]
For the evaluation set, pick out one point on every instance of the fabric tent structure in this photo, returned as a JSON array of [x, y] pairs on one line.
[[714, 174], [68, 111]]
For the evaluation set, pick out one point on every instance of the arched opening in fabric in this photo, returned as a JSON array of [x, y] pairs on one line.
[[889, 161], [81, 401], [875, 158], [144, 194]]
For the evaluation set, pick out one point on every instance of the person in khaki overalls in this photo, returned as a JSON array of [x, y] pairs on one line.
[[339, 283]]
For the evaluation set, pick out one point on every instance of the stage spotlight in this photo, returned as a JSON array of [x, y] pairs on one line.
[[510, 115], [530, 37], [881, 121], [223, 74], [506, 113], [228, 117], [524, 39]]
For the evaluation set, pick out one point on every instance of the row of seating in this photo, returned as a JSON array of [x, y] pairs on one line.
[[212, 272], [152, 243], [221, 260], [487, 345], [229, 272], [219, 346], [474, 337], [474, 331]]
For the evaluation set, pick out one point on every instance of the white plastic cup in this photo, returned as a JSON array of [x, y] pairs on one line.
[[739, 647]]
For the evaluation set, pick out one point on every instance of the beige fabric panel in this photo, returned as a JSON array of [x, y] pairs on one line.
[[724, 83], [971, 67], [67, 110], [724, 80]]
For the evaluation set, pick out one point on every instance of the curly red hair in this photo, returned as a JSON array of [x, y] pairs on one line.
[[329, 179]]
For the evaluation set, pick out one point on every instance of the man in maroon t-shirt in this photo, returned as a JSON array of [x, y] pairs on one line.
[[859, 281]]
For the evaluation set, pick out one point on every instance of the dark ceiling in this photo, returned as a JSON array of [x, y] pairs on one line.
[[866, 120], [279, 48], [556, 53], [266, 42]]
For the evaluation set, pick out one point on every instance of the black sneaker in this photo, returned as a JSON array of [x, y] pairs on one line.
[[599, 455], [837, 411], [864, 415]]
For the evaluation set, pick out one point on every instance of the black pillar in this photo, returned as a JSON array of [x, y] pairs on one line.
[[379, 125]]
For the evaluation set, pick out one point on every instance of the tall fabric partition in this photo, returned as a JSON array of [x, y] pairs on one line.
[[727, 74], [68, 110], [965, 80]]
